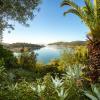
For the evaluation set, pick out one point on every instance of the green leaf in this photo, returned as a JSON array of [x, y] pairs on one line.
[[90, 96]]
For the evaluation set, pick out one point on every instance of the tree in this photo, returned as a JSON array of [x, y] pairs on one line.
[[17, 10], [90, 15], [1, 36], [8, 57]]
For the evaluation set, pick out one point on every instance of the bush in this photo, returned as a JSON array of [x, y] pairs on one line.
[[78, 55], [2, 71], [50, 87], [81, 54], [27, 60], [19, 91], [8, 57], [93, 93], [18, 74], [42, 70]]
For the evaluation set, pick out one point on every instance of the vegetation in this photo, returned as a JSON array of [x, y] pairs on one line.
[[19, 45], [20, 11], [70, 44], [94, 93], [61, 79], [90, 15], [8, 57], [16, 47], [65, 78]]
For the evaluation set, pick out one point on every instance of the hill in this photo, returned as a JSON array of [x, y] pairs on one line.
[[17, 46], [73, 43]]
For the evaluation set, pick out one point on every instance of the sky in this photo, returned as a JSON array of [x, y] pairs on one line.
[[48, 26]]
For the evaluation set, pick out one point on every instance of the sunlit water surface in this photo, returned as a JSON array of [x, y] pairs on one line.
[[48, 53]]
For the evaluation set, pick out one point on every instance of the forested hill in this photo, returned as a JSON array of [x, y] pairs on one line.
[[73, 43], [18, 46]]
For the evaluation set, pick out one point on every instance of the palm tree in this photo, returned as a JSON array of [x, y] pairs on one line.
[[90, 15]]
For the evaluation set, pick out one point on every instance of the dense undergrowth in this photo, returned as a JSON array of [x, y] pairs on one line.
[[23, 78]]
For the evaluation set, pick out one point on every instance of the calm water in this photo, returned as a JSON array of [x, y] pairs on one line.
[[48, 53]]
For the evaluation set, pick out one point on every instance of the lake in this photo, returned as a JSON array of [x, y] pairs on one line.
[[46, 54]]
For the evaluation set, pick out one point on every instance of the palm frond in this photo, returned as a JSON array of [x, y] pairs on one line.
[[89, 13], [97, 10], [89, 7], [75, 8], [73, 11], [80, 12], [70, 3]]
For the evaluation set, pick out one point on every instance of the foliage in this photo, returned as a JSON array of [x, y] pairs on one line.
[[57, 82], [17, 46], [94, 94], [27, 60], [3, 79], [76, 56], [67, 58], [20, 91], [42, 69], [47, 88], [74, 72], [18, 74], [81, 54], [37, 81], [38, 88], [49, 93], [73, 82], [89, 13], [2, 70], [8, 57], [20, 11], [69, 44]]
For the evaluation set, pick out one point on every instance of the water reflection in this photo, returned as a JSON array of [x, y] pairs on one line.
[[48, 53]]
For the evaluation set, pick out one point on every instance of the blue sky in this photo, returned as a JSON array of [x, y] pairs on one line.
[[49, 26]]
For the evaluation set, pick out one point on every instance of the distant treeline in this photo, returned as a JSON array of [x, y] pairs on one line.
[[18, 46], [73, 43]]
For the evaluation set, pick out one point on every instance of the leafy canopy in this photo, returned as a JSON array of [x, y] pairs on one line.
[[17, 10], [89, 13]]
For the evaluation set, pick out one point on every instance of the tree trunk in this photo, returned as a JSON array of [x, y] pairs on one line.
[[94, 61]]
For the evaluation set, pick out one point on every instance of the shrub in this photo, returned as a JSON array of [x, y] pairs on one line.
[[67, 58], [48, 88], [50, 92], [27, 60], [20, 91], [2, 71], [8, 57], [73, 83], [93, 93], [18, 74], [3, 80], [81, 54], [78, 55]]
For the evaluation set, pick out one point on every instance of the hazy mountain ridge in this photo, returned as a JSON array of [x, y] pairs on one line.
[[73, 43], [18, 46]]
